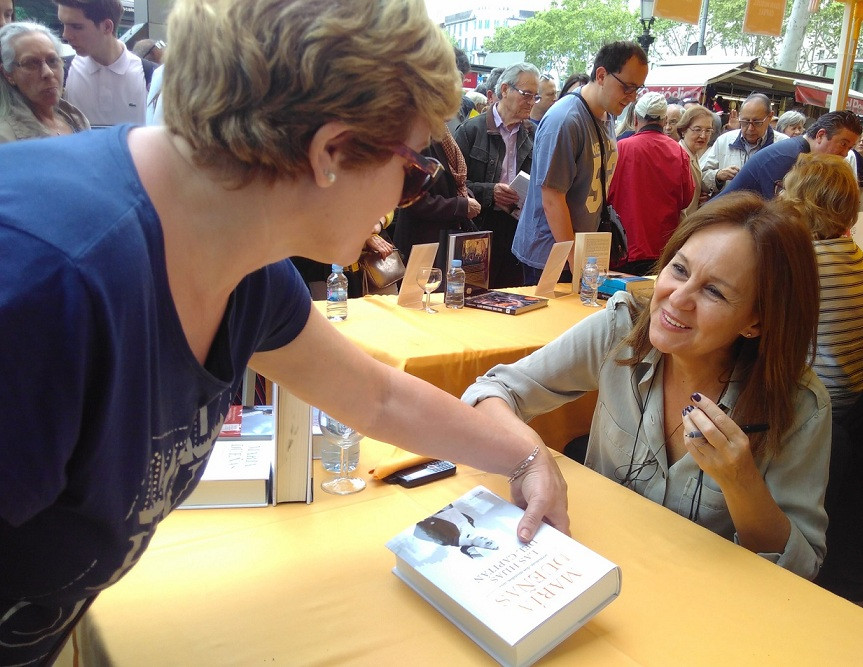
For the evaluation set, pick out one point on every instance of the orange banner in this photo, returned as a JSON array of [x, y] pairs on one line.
[[687, 11], [764, 17]]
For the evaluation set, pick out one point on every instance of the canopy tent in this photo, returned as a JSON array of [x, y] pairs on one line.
[[735, 78], [688, 76], [821, 94]]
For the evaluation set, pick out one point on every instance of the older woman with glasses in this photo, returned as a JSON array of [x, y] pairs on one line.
[[695, 129], [146, 268], [31, 85]]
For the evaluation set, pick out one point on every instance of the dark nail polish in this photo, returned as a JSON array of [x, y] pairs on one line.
[[696, 397]]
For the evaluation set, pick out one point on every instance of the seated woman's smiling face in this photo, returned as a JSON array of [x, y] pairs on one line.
[[705, 297], [38, 71]]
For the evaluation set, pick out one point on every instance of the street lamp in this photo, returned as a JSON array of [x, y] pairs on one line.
[[480, 57], [645, 38]]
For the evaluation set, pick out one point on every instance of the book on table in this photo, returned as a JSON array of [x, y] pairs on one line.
[[238, 474], [623, 282], [504, 302], [474, 251], [516, 600]]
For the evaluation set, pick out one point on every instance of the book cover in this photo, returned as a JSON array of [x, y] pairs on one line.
[[474, 251], [233, 423], [238, 474], [516, 600], [257, 423], [504, 302]]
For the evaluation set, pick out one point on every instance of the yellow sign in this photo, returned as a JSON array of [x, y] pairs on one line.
[[764, 17], [687, 11]]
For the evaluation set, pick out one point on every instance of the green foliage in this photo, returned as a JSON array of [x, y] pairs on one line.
[[566, 37], [825, 29], [40, 11]]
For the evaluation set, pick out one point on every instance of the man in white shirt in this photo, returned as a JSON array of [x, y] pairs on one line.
[[105, 81], [731, 150]]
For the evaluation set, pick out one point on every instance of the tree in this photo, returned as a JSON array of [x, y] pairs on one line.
[[567, 36]]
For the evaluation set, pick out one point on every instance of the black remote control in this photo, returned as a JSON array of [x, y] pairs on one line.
[[422, 474]]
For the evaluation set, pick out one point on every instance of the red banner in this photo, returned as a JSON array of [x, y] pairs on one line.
[[680, 92], [821, 98]]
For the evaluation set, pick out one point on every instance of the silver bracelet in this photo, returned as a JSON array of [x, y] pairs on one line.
[[522, 467]]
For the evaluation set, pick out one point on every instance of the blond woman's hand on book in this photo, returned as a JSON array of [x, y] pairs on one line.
[[541, 491], [537, 487]]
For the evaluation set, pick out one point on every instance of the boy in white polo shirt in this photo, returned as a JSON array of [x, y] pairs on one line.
[[105, 81]]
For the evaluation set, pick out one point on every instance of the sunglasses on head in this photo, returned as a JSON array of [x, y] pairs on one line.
[[420, 173]]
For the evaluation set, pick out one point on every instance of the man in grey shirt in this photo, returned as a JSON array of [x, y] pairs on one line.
[[565, 194]]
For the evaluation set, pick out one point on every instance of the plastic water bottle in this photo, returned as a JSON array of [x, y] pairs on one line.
[[337, 295], [335, 435], [589, 282], [454, 297]]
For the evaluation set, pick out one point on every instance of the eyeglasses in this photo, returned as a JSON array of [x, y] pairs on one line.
[[701, 130], [36, 64], [754, 123], [420, 173], [527, 95], [628, 88], [159, 44]]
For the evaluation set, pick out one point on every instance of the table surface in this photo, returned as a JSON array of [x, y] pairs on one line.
[[451, 349], [312, 585]]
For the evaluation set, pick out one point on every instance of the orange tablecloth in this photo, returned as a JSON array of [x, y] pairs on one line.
[[311, 585], [451, 349]]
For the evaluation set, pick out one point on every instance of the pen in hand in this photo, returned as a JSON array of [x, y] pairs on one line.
[[746, 428]]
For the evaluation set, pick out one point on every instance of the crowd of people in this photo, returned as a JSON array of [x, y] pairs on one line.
[[153, 270]]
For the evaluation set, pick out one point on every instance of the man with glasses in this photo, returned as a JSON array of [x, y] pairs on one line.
[[496, 146], [565, 193], [731, 150], [547, 96], [834, 133]]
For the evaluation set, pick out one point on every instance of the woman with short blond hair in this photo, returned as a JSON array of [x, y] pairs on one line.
[[145, 268], [823, 188]]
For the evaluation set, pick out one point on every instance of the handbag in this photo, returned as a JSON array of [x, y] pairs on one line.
[[609, 221], [381, 272]]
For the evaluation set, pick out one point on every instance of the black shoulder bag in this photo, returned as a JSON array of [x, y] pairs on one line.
[[609, 221]]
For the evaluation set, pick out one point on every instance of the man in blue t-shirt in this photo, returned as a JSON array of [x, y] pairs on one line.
[[565, 193], [834, 133]]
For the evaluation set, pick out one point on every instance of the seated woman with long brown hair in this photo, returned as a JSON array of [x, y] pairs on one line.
[[706, 401]]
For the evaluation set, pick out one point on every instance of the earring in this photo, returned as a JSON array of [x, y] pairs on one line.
[[748, 335], [331, 177]]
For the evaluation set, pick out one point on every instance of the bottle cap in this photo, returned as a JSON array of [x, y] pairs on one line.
[[337, 268], [591, 260], [456, 264]]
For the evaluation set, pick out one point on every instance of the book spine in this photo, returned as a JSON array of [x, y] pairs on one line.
[[494, 309]]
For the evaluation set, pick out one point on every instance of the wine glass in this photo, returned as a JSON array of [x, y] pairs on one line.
[[429, 279], [343, 436]]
